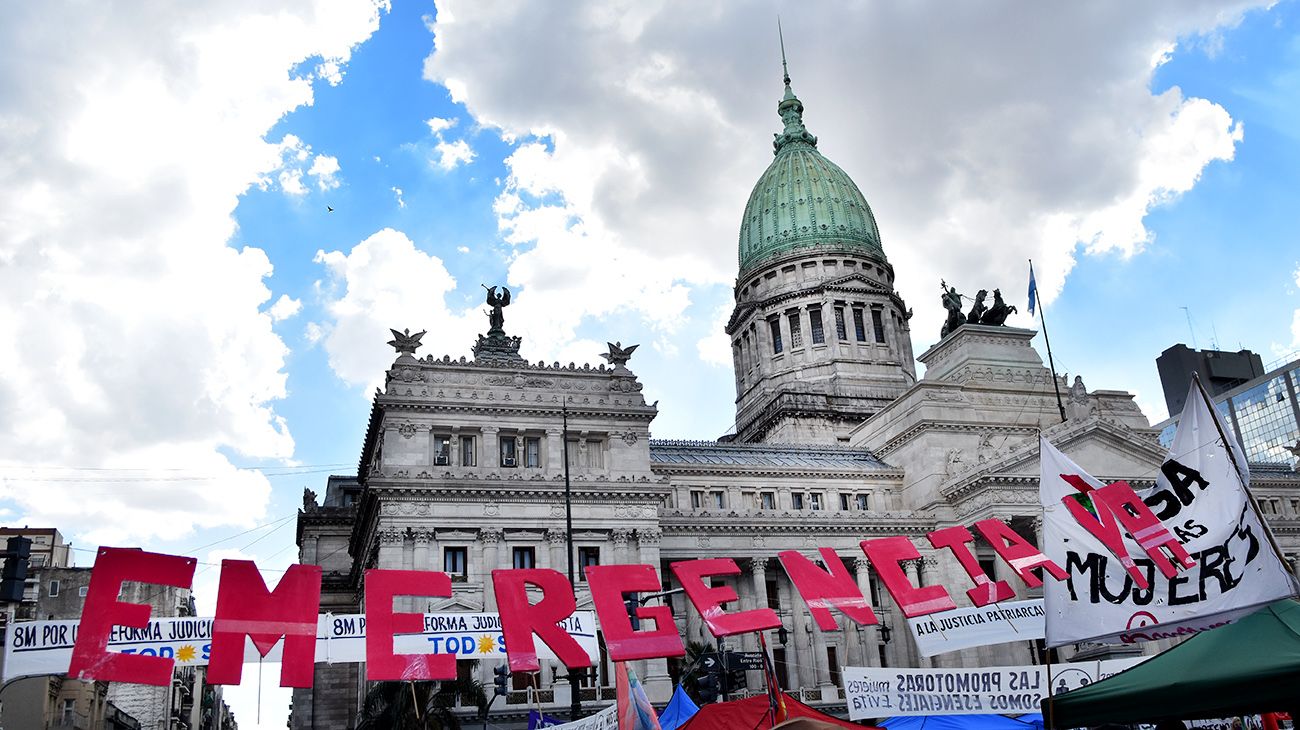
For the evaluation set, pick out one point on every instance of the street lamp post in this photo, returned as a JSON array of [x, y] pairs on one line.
[[575, 702]]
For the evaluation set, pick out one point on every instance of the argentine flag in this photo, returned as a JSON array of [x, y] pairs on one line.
[[1033, 289]]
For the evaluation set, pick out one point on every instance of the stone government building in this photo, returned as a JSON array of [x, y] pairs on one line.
[[836, 441]]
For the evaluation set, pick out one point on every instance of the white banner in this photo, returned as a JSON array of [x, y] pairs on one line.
[[962, 628], [606, 719], [1200, 498], [45, 647], [879, 692]]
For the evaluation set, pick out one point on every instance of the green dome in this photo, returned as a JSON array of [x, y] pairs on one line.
[[804, 201]]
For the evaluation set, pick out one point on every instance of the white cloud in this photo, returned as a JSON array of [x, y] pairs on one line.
[[132, 336], [398, 193], [313, 332], [462, 249], [284, 308], [715, 348], [1052, 144], [325, 169], [450, 154], [385, 282], [438, 125]]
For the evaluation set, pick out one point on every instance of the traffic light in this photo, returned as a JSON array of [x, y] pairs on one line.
[[13, 581], [502, 673], [706, 685]]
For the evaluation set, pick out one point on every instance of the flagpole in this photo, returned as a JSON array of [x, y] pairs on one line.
[[1042, 317]]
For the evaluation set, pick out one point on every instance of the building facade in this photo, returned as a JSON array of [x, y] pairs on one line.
[[462, 468]]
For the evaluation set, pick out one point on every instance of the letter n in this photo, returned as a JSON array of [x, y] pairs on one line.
[[823, 590], [246, 608]]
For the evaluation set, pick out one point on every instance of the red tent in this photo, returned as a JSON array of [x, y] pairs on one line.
[[752, 713]]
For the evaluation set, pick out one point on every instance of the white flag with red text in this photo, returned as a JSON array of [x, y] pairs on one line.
[[1201, 500]]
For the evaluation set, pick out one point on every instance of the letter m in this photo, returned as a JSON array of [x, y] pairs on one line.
[[246, 608]]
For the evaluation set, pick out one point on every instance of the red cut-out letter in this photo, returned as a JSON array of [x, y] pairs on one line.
[[246, 608], [823, 590], [521, 619], [1119, 503], [986, 589], [1022, 556], [608, 583], [885, 555], [383, 623], [708, 601], [91, 658]]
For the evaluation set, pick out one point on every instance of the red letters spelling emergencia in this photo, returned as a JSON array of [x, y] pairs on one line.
[[102, 611], [382, 623], [708, 600], [1118, 504], [246, 608], [823, 590], [520, 619], [986, 589], [609, 584], [885, 554]]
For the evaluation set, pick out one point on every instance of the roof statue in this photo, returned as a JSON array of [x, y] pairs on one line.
[[803, 203], [496, 345], [619, 355], [980, 313], [405, 342]]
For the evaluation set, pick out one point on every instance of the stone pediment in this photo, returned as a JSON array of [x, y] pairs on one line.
[[458, 602], [1105, 448]]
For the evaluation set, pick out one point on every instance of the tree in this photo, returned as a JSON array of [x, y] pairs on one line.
[[419, 705]]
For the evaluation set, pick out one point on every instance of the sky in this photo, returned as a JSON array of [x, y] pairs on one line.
[[211, 213]]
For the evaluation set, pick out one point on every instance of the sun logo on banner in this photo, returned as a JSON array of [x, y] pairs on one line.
[[185, 654], [487, 645]]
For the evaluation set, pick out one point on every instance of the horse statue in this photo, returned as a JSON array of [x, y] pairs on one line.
[[951, 302], [998, 313], [978, 309]]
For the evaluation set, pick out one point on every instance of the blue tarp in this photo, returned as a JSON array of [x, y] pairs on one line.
[[678, 710], [965, 722]]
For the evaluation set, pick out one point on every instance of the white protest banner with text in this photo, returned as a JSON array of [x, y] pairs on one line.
[[1200, 498], [876, 692], [962, 628], [45, 647]]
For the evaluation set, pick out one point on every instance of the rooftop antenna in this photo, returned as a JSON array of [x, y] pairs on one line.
[[785, 71], [1188, 312], [1214, 331]]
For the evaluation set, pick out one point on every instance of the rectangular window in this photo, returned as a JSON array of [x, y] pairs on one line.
[[878, 325], [815, 324], [82, 591], [796, 500], [833, 662], [455, 563], [775, 325], [768, 500], [697, 499], [815, 500], [69, 709], [467, 451], [524, 558], [595, 454], [508, 451], [862, 502], [441, 450], [533, 452], [717, 500], [773, 594], [572, 446], [54, 588], [840, 330], [796, 330], [844, 502], [859, 328], [587, 556]]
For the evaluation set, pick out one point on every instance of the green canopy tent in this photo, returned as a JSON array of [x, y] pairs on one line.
[[1247, 667]]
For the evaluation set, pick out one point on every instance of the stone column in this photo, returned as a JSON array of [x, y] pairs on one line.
[[804, 662], [556, 542], [619, 537], [554, 456], [420, 552], [390, 548], [491, 538], [869, 637], [489, 452], [822, 663], [758, 576], [913, 568], [1295, 565], [310, 550], [658, 685]]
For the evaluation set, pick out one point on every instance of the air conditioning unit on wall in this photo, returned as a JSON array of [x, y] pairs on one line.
[[441, 460], [508, 461]]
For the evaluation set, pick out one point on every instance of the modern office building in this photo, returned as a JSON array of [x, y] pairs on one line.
[[1219, 372]]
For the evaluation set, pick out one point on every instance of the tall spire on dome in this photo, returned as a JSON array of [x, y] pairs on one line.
[[790, 109]]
